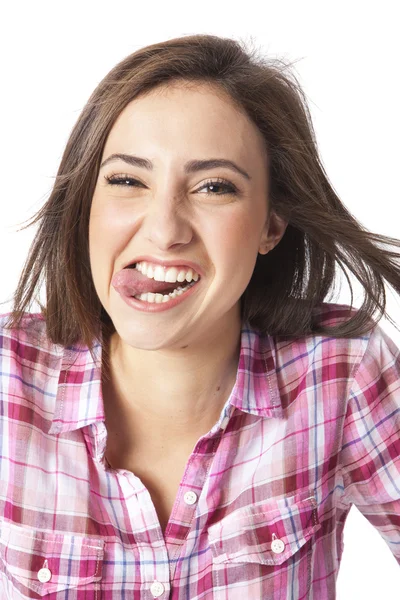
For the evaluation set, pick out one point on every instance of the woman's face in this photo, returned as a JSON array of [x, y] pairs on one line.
[[167, 212]]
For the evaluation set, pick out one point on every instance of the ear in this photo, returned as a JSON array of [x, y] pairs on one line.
[[272, 234]]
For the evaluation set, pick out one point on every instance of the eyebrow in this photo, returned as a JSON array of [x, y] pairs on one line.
[[192, 166]]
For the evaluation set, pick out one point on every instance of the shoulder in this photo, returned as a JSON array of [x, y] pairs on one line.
[[29, 341], [374, 343], [316, 360], [317, 345], [330, 314], [29, 362]]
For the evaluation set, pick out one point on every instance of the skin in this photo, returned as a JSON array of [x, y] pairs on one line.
[[171, 372]]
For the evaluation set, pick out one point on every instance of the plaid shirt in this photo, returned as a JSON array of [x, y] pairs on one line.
[[311, 427]]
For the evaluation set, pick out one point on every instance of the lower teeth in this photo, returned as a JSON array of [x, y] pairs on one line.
[[161, 298]]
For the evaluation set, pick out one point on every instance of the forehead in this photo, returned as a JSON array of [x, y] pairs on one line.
[[188, 115], [183, 98]]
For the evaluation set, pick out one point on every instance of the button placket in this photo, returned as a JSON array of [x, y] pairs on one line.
[[157, 589], [190, 498]]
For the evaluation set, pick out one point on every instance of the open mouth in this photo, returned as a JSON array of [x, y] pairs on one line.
[[162, 291], [160, 298]]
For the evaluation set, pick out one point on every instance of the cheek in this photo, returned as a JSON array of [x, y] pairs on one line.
[[105, 218], [97, 238], [107, 229], [240, 234], [103, 237], [233, 246]]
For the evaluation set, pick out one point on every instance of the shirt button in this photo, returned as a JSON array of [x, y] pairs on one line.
[[157, 589], [44, 575], [190, 497], [277, 546]]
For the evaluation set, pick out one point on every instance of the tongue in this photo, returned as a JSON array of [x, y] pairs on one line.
[[131, 282]]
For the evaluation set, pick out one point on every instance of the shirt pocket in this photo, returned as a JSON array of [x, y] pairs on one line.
[[43, 564], [263, 548]]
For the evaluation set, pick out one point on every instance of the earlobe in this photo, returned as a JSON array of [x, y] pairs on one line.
[[263, 250], [275, 230]]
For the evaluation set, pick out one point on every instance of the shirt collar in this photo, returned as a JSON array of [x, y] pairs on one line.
[[79, 400]]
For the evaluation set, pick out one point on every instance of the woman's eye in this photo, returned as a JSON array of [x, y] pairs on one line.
[[121, 180], [218, 183], [126, 181]]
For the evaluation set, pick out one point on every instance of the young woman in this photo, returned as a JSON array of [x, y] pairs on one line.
[[188, 417]]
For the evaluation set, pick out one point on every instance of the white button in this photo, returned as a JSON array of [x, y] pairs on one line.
[[44, 575], [157, 589], [190, 497], [277, 546]]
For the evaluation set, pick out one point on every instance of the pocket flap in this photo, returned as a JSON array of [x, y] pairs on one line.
[[71, 560], [247, 534]]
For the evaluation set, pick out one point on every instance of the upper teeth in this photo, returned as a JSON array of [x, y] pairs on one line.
[[170, 275]]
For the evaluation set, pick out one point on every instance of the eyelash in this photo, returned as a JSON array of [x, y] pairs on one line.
[[114, 180]]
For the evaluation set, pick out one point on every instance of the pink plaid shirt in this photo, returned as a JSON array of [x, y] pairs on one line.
[[311, 427]]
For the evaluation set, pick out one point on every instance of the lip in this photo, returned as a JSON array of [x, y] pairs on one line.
[[152, 307], [167, 263]]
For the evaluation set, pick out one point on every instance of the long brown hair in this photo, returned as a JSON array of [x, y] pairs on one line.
[[289, 283]]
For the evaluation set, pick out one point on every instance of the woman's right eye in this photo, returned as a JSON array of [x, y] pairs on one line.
[[123, 180]]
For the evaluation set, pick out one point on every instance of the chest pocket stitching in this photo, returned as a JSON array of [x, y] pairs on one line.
[[12, 543], [246, 534]]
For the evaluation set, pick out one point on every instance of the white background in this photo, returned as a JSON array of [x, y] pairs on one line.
[[347, 60]]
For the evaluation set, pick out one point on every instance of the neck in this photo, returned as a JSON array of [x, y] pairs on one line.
[[177, 394]]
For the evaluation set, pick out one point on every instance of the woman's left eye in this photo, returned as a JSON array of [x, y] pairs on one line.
[[126, 181], [220, 183]]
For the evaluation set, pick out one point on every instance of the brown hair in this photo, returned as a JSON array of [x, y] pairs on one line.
[[291, 281]]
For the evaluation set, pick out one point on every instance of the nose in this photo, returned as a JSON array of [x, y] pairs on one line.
[[167, 222]]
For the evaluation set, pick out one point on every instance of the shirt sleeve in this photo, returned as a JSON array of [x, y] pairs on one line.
[[370, 454]]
